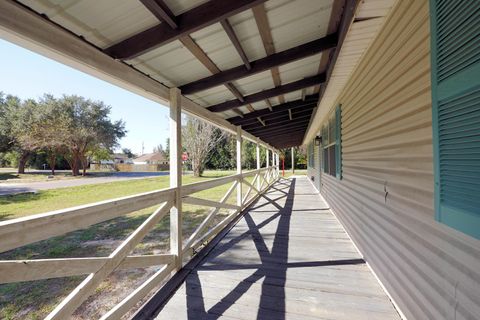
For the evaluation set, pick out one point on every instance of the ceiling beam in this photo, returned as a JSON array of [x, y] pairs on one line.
[[280, 128], [274, 123], [206, 14], [261, 19], [260, 65], [161, 11], [236, 43], [165, 15], [281, 116], [310, 101], [274, 92]]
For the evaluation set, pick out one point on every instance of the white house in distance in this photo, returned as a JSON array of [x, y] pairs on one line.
[[151, 158]]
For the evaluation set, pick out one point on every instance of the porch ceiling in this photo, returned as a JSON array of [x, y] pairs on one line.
[[252, 60]]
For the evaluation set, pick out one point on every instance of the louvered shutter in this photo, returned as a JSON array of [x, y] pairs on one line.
[[455, 31]]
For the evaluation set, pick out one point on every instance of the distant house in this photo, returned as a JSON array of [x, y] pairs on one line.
[[151, 158], [117, 158]]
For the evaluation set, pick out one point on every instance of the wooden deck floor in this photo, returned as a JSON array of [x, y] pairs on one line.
[[287, 258]]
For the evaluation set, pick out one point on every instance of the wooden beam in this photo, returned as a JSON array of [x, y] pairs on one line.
[[161, 11], [286, 88], [309, 103], [261, 121], [263, 64], [269, 105], [263, 25], [239, 167], [236, 43], [280, 116], [198, 52], [176, 220], [206, 14], [274, 123], [285, 128]]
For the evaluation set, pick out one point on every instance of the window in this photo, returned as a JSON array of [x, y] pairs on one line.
[[311, 157], [456, 114], [331, 145]]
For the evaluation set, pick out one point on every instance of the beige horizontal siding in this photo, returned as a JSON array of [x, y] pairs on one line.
[[385, 199]]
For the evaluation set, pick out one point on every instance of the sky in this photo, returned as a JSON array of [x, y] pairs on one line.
[[28, 75]]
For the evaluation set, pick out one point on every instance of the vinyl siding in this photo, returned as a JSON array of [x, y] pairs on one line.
[[386, 197], [314, 173]]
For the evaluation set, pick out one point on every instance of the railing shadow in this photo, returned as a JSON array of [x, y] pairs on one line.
[[273, 267]]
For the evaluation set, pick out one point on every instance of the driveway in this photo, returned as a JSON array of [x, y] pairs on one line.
[[16, 188]]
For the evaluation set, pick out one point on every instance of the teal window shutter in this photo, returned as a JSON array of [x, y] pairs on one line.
[[455, 49], [338, 149]]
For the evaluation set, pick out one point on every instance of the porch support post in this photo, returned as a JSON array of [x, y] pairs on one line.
[[239, 166], [258, 164], [293, 162], [268, 157], [176, 175]]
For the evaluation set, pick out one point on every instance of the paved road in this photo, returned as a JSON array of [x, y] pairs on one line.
[[15, 188]]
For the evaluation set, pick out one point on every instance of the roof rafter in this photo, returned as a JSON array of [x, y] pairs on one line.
[[236, 43], [260, 15], [188, 22], [164, 14], [296, 53], [289, 87], [310, 102]]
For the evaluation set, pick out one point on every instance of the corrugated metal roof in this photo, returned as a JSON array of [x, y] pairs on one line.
[[292, 23], [370, 17]]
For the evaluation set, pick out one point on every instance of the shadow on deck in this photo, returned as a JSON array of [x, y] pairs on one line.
[[287, 257]]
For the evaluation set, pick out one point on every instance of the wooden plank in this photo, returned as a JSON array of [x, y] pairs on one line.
[[273, 264], [259, 96], [25, 28], [141, 291], [190, 21], [261, 19], [19, 232], [209, 184], [308, 104], [161, 11], [176, 216], [236, 43], [263, 64], [239, 167], [29, 270], [196, 234], [87, 287], [208, 203]]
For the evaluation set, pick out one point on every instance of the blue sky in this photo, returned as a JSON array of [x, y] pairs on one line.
[[29, 75]]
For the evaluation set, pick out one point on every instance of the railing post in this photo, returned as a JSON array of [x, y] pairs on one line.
[[293, 162], [176, 175], [239, 167], [258, 165], [268, 157]]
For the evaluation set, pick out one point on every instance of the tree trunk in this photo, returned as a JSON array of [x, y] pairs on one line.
[[84, 166], [23, 161], [51, 162]]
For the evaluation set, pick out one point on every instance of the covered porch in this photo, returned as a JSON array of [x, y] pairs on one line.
[[391, 120], [284, 257]]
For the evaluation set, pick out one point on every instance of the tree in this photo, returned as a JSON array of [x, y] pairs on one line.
[[16, 118], [199, 138], [128, 152], [90, 128]]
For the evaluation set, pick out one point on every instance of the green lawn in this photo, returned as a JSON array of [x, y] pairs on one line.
[[35, 299]]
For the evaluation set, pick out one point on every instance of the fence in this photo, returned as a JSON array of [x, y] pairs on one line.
[[22, 231]]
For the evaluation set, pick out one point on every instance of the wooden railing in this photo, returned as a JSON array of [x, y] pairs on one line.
[[19, 232]]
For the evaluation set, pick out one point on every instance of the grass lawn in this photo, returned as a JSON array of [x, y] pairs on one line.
[[35, 299]]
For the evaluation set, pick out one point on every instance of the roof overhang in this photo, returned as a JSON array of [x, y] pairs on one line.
[[258, 64]]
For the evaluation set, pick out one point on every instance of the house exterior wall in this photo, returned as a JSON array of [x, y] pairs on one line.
[[313, 173], [385, 199]]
